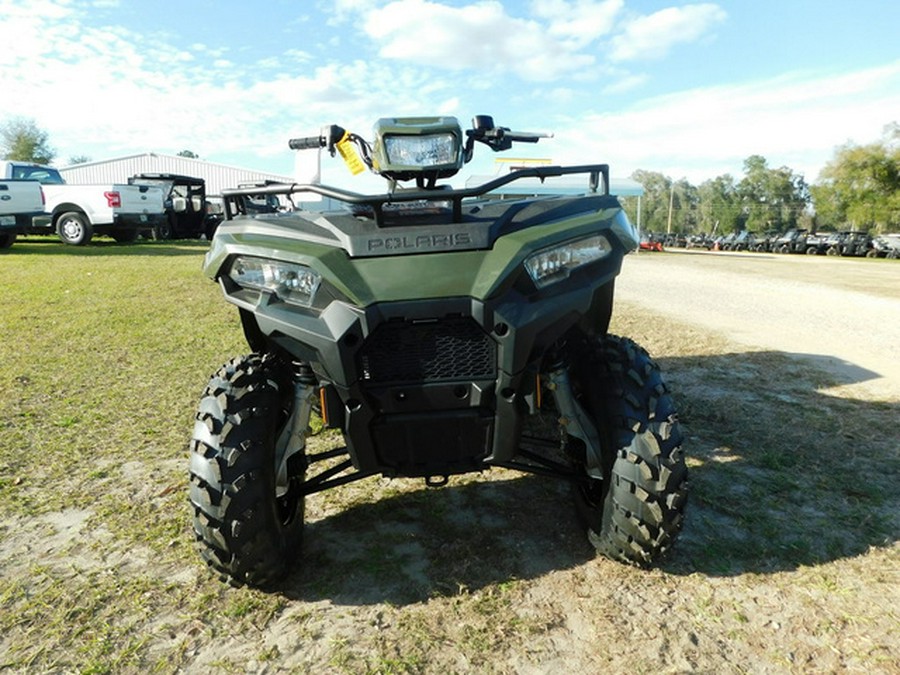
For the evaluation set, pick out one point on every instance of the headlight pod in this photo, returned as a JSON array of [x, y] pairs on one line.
[[292, 283], [421, 151], [556, 264]]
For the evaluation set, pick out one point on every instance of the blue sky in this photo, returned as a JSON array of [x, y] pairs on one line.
[[689, 89]]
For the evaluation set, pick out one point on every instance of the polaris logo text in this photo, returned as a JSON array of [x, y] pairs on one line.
[[420, 242]]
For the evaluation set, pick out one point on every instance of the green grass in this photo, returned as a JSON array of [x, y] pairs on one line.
[[104, 351]]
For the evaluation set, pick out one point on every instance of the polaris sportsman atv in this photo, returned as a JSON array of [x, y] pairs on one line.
[[442, 331]]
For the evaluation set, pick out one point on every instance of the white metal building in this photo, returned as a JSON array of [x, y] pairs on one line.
[[119, 170]]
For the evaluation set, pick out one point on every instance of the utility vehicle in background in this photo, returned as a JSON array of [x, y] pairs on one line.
[[442, 332], [186, 208]]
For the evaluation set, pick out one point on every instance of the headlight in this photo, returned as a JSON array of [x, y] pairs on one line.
[[421, 151], [557, 263], [295, 284]]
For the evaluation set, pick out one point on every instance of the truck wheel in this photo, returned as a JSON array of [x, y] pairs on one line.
[[245, 531], [635, 513], [7, 240], [74, 228], [163, 231]]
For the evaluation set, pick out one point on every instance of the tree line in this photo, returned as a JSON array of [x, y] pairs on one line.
[[859, 189]]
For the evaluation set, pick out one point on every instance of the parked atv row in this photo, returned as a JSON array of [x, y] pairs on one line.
[[848, 244]]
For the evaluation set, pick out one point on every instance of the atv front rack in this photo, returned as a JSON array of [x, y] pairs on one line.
[[235, 204]]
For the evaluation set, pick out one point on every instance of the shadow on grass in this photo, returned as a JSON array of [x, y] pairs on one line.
[[37, 245], [782, 476]]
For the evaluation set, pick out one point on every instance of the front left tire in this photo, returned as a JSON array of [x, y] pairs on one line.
[[245, 531]]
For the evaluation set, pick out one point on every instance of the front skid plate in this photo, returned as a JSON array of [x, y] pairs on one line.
[[526, 461]]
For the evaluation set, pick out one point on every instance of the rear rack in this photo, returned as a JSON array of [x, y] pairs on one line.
[[235, 204]]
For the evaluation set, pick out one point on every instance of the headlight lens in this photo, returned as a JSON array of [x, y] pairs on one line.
[[295, 284], [555, 264], [421, 151]]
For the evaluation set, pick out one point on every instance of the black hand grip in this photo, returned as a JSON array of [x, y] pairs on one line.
[[307, 143], [525, 137]]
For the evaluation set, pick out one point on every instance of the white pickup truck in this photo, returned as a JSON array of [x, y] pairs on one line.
[[76, 212], [20, 201]]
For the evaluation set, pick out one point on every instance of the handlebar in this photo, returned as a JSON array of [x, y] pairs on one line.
[[328, 137], [524, 136], [497, 138], [307, 143], [483, 131]]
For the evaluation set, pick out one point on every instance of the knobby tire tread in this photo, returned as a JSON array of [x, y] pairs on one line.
[[637, 515], [239, 530]]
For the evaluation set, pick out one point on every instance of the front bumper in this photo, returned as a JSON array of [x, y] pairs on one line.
[[433, 387]]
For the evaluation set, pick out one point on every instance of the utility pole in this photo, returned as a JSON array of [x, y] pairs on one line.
[[671, 201]]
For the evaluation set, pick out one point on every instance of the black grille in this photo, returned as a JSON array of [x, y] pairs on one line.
[[449, 349]]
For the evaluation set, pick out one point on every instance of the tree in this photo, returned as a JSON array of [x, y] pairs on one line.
[[79, 159], [772, 199], [655, 202], [188, 154], [860, 187], [23, 141], [720, 207], [662, 197], [685, 202]]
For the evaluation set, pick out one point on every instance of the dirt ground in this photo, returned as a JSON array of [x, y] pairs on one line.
[[843, 314], [785, 374]]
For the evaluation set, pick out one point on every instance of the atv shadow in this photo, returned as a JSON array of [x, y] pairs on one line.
[[37, 245], [781, 476], [425, 543]]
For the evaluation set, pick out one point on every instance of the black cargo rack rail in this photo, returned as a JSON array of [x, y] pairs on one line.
[[232, 197]]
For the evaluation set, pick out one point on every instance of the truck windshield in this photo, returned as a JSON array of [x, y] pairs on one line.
[[44, 174]]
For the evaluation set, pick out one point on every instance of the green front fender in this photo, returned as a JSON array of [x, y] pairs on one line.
[[479, 274]]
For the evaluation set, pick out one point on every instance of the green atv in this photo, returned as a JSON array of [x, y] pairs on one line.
[[443, 331]]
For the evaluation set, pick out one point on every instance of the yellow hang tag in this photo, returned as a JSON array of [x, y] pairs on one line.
[[348, 152]]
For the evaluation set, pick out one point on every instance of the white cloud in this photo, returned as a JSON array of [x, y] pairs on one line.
[[795, 120], [624, 83], [558, 38], [580, 20], [480, 36], [652, 36]]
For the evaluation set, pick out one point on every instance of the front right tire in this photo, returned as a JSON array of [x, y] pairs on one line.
[[244, 530], [635, 513]]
